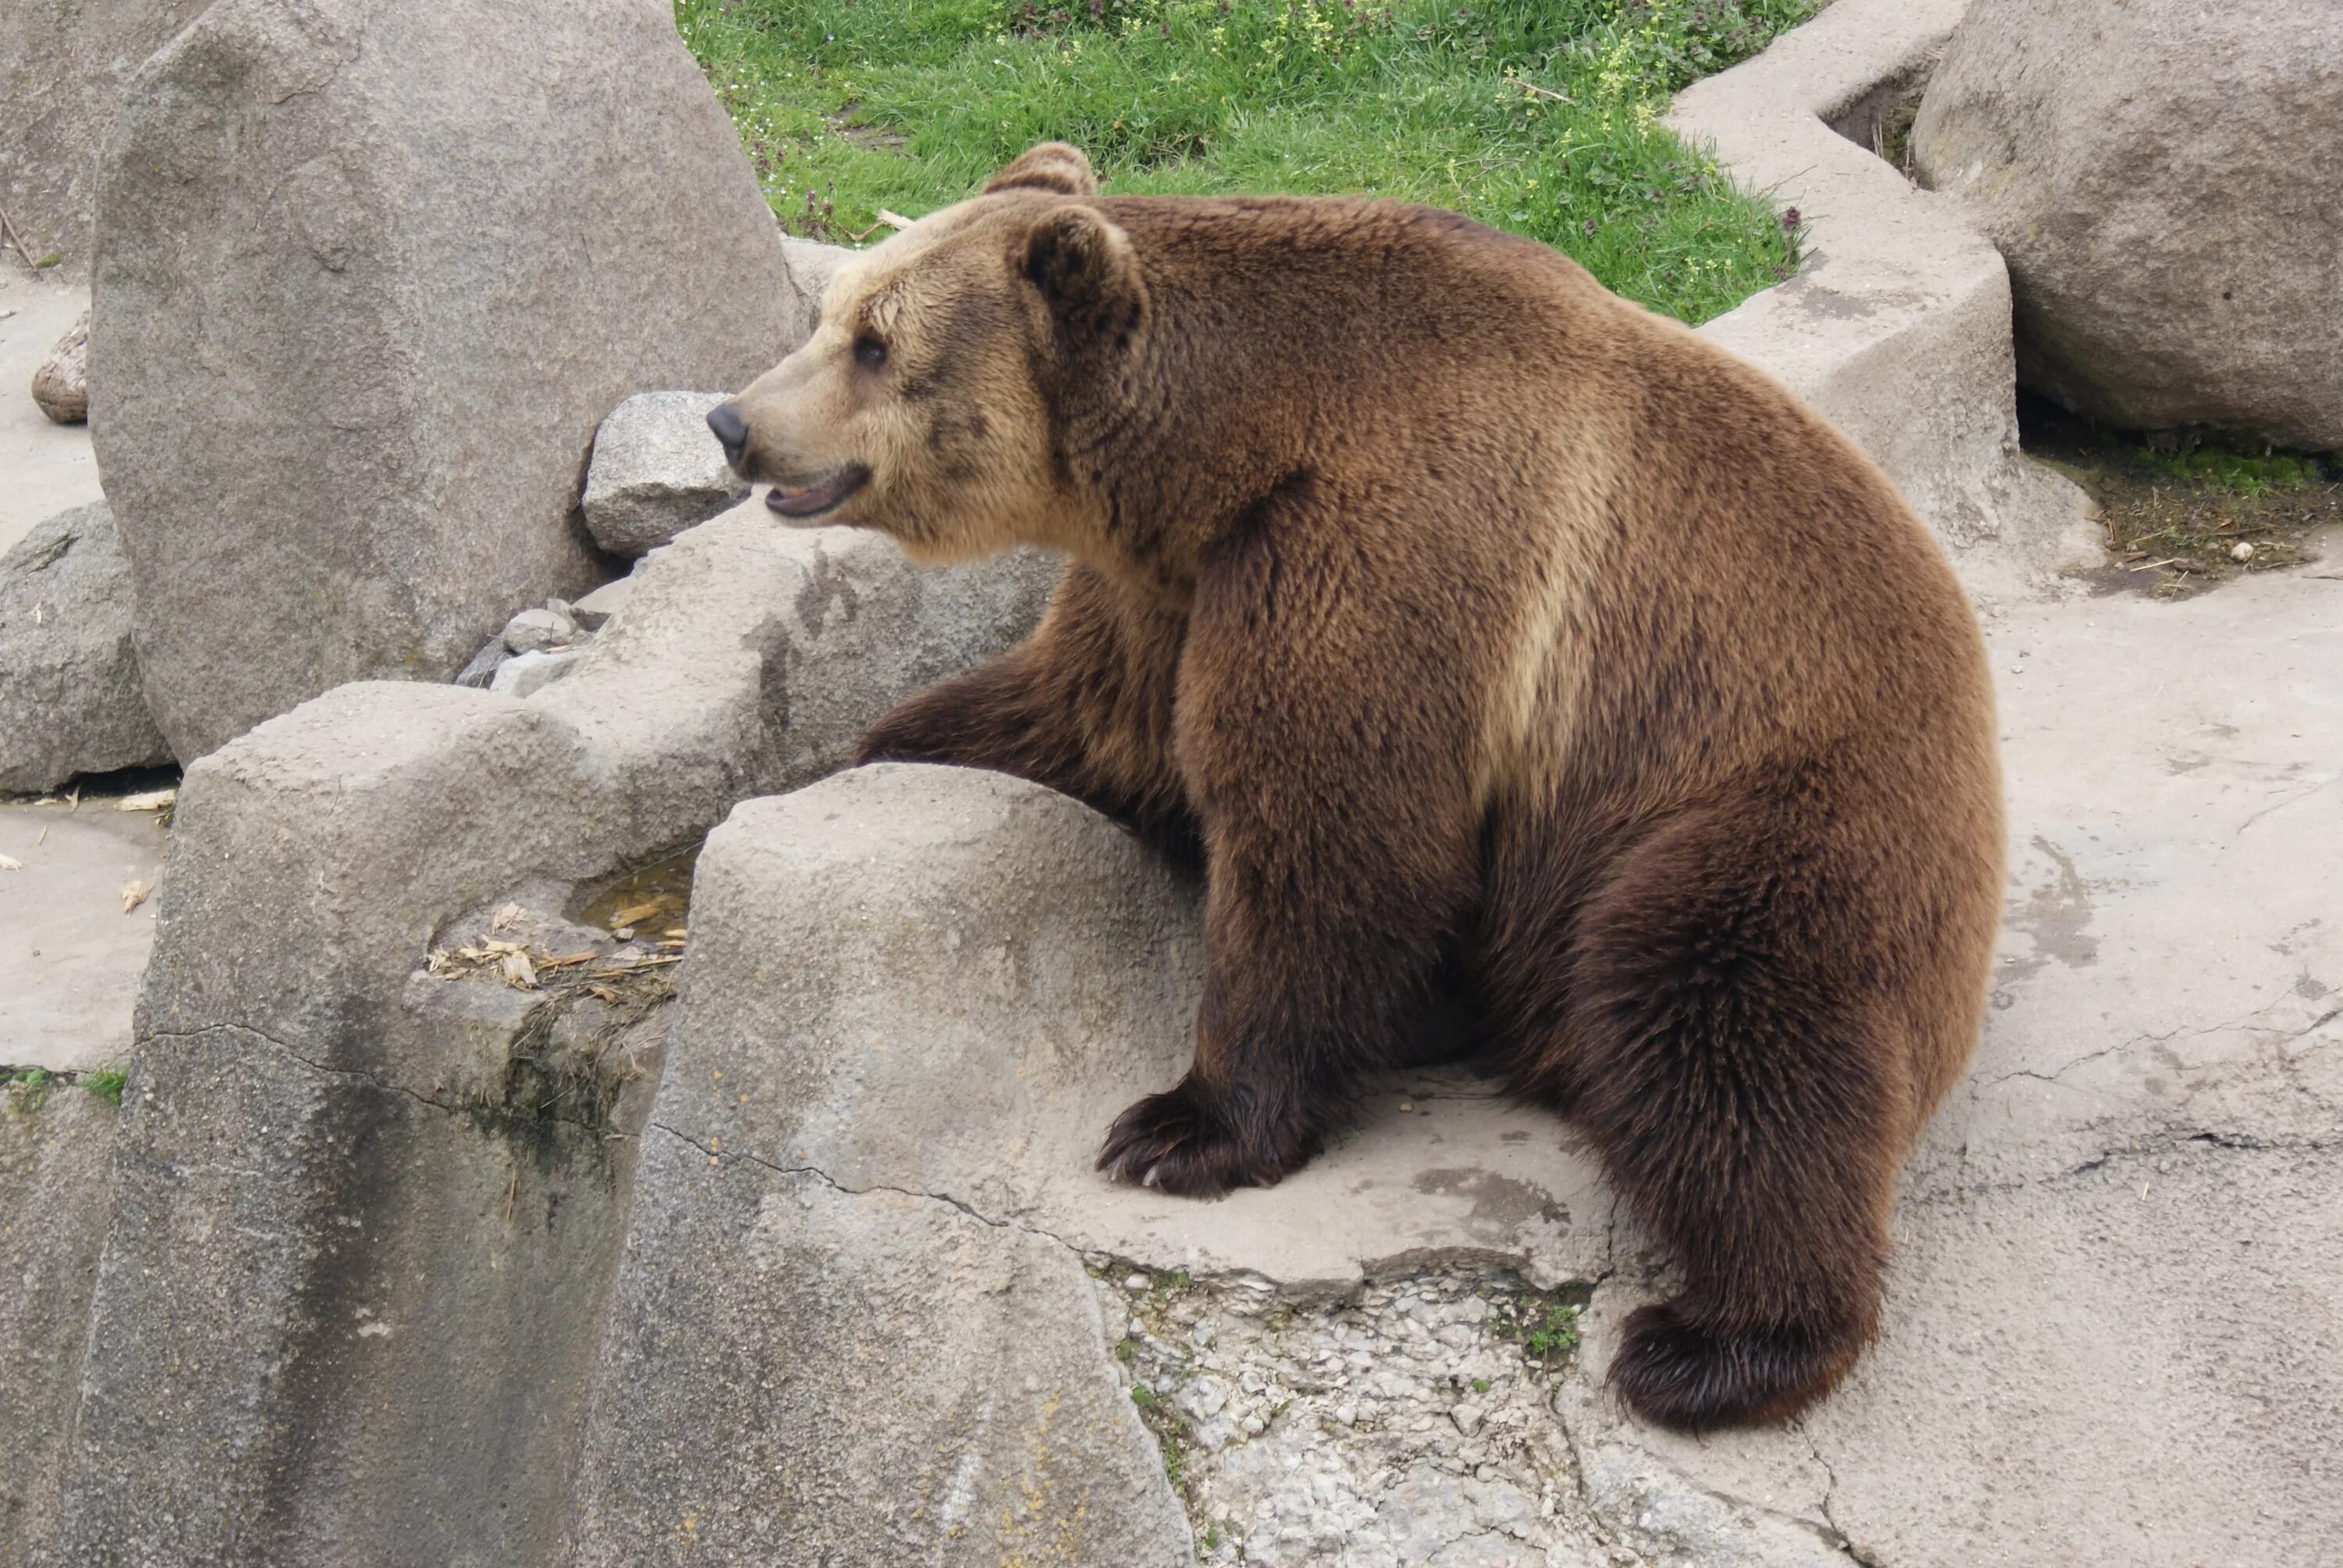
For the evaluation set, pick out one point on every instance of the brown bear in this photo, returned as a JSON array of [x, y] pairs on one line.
[[1468, 621]]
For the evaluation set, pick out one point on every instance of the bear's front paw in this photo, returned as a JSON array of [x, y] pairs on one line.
[[1192, 1141]]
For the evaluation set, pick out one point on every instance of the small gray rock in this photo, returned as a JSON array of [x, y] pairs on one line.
[[71, 698], [524, 673], [533, 630], [61, 384], [656, 471], [596, 608], [483, 663]]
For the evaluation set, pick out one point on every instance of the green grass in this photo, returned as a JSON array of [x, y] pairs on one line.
[[2252, 474], [33, 1084], [849, 106]]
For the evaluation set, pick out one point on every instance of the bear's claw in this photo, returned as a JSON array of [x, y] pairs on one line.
[[1183, 1141]]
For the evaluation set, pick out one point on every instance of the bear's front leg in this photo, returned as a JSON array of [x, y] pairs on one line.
[[1082, 705], [1326, 735]]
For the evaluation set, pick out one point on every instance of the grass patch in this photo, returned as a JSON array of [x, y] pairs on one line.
[[1544, 1323], [1536, 117], [30, 1087]]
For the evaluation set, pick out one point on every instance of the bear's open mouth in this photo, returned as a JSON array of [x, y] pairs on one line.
[[821, 496]]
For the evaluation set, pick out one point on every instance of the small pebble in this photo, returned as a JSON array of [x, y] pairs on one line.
[[1135, 1283], [2241, 551]]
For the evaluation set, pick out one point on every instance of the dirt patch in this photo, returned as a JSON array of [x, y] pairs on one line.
[[2185, 511]]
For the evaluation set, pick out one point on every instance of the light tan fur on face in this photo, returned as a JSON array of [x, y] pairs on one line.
[[950, 426]]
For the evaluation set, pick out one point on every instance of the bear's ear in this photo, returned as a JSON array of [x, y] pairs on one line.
[[1085, 269], [1049, 166]]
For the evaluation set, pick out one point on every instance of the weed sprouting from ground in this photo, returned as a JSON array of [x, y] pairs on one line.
[[28, 1088], [1536, 117]]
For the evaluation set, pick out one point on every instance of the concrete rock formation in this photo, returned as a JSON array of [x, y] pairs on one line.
[[54, 1140], [61, 384], [1897, 325], [657, 471], [64, 69], [2159, 176], [403, 1372], [71, 699], [404, 258]]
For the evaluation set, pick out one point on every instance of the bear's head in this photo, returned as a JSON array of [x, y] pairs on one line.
[[929, 403]]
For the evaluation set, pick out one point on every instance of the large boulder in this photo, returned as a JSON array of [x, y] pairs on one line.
[[70, 697], [369, 275], [63, 69], [2159, 175]]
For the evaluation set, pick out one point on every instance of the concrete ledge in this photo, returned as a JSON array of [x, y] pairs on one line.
[[1897, 328]]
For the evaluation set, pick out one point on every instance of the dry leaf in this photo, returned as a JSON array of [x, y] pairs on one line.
[[639, 913], [565, 960], [675, 930], [518, 972], [133, 893], [153, 800], [510, 915], [10, 863]]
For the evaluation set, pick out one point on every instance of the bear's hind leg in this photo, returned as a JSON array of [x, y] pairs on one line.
[[1729, 1052]]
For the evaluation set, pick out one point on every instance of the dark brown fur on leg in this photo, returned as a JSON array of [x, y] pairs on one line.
[[1744, 1092], [1082, 705], [1335, 890]]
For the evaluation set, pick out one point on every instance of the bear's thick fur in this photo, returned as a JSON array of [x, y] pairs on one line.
[[1474, 627]]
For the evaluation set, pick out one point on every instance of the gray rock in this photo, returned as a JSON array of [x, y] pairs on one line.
[[401, 260], [54, 1198], [63, 72], [61, 382], [71, 700], [823, 1371], [533, 630], [524, 674], [483, 666], [820, 1376], [595, 610], [414, 1204], [812, 265], [2159, 175], [656, 471]]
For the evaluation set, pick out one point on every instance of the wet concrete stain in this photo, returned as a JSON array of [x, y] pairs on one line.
[[2056, 915], [1501, 1205]]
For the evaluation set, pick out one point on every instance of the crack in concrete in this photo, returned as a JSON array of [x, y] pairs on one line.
[[2244, 1021], [457, 1107], [844, 1190], [2293, 800], [2170, 1143], [1844, 1542]]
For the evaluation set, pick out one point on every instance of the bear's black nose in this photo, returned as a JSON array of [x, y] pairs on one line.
[[731, 430]]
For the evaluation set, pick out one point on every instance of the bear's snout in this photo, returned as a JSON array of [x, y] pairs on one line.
[[731, 432]]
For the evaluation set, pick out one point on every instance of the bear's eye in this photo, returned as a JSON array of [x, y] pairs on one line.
[[868, 352]]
